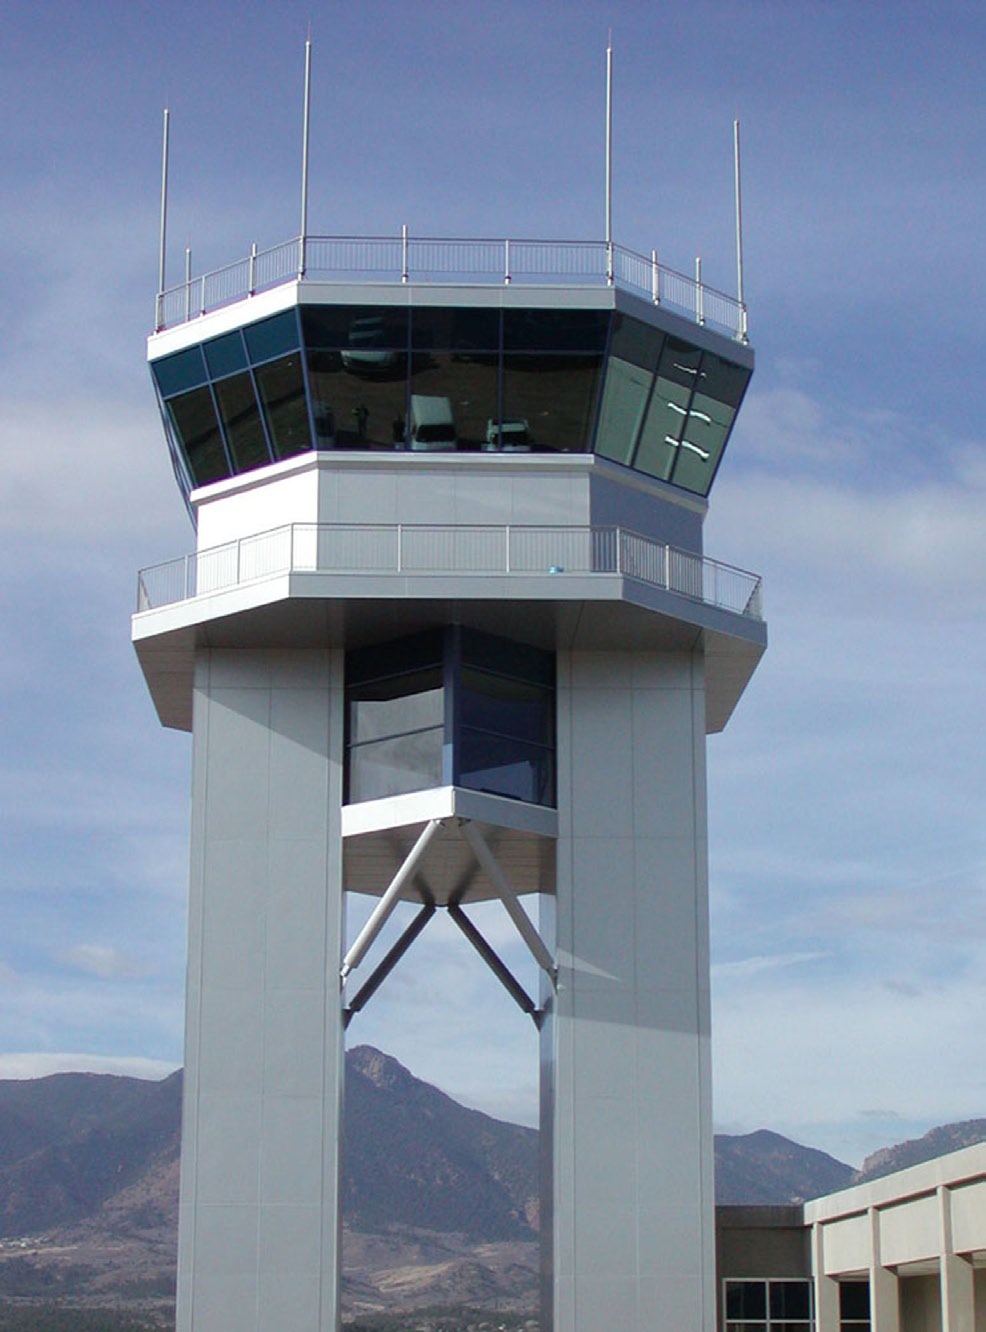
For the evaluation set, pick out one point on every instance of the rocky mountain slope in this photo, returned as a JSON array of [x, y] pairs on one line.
[[439, 1201]]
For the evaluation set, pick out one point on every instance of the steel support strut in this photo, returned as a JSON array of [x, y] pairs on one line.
[[383, 969], [382, 911], [503, 974], [525, 928]]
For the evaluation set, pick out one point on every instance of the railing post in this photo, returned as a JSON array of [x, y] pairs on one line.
[[507, 551], [609, 263], [506, 262], [188, 283], [159, 312], [667, 568], [188, 585], [400, 547], [253, 269], [404, 252], [655, 279], [202, 295], [302, 255], [699, 294], [619, 550]]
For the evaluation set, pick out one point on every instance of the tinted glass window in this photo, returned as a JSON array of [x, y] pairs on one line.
[[506, 767], [390, 707], [854, 1299], [183, 370], [790, 1299], [241, 420], [225, 355], [555, 330], [461, 330], [282, 393], [621, 414], [272, 337], [392, 767], [507, 707], [356, 327], [555, 396], [746, 1299], [194, 419]]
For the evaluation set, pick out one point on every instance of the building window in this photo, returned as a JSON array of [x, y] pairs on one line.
[[768, 1306], [854, 1306], [450, 707]]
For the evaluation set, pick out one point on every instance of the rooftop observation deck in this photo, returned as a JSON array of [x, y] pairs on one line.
[[405, 259]]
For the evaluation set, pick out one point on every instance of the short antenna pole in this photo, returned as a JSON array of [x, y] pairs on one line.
[[609, 158], [164, 220], [742, 331], [304, 156]]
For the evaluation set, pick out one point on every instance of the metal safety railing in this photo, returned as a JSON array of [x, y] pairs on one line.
[[401, 548], [402, 259]]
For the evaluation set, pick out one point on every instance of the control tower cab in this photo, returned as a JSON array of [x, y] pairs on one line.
[[448, 634]]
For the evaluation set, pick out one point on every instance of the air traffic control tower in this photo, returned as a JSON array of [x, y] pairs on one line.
[[449, 634]]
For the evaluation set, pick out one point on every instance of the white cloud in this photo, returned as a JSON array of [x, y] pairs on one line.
[[104, 961], [42, 1065]]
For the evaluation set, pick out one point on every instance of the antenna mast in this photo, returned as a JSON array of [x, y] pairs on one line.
[[609, 141], [164, 207], [304, 154], [739, 230]]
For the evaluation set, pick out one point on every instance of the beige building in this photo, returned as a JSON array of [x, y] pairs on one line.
[[905, 1253]]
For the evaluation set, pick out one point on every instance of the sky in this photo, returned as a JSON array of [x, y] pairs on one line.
[[847, 838]]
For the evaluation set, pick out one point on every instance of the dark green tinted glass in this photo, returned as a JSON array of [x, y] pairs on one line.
[[224, 356], [635, 342], [183, 370], [355, 327], [194, 419], [624, 403], [241, 420], [505, 656], [283, 395], [272, 337]]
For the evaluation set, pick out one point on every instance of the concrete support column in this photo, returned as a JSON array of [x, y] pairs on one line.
[[826, 1289], [259, 1235], [627, 1119], [884, 1296], [956, 1274]]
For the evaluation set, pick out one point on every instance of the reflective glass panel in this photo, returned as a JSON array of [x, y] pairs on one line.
[[505, 766], [391, 767], [555, 330], [225, 355], [396, 658], [391, 707], [507, 707], [194, 419], [622, 411], [282, 392], [467, 391], [555, 396], [355, 328], [183, 370], [356, 405], [241, 421], [507, 657], [635, 342], [460, 330], [272, 337], [660, 439]]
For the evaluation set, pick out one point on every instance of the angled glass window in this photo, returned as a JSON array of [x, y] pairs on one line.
[[244, 429], [553, 397], [196, 427], [272, 337], [282, 392], [225, 355], [660, 439], [184, 370], [458, 329], [555, 330]]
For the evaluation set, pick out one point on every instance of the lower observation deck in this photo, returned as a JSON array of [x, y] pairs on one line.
[[318, 585]]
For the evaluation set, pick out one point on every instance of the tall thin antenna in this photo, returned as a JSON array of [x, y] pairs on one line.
[[739, 230], [164, 204], [304, 152], [609, 140]]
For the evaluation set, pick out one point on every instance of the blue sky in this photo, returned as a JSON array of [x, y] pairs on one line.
[[848, 848]]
